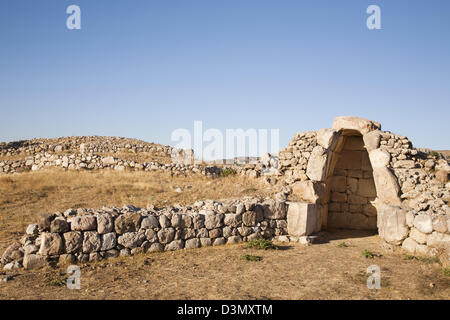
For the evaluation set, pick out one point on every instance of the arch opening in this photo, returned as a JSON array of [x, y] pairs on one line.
[[351, 186]]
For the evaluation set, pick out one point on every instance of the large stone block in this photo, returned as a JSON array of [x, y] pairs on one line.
[[387, 186], [34, 261], [73, 241], [379, 158], [302, 218], [312, 192], [392, 223], [361, 125], [316, 169], [51, 244], [423, 223], [366, 188], [327, 138], [372, 140], [83, 223], [274, 209], [127, 222]]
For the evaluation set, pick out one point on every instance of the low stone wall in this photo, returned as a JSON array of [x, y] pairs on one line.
[[89, 235]]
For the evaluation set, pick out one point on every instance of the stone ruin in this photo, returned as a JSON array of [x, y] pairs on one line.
[[351, 176]]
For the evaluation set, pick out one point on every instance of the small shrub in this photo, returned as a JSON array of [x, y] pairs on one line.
[[342, 245], [262, 244], [435, 154], [423, 259], [367, 254], [58, 282], [446, 272], [228, 172], [250, 190], [250, 257]]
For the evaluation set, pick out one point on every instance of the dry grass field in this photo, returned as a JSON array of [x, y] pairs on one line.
[[335, 269]]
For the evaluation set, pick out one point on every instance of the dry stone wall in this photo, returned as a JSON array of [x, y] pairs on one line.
[[89, 235]]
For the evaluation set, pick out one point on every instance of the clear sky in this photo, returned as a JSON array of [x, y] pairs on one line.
[[144, 68]]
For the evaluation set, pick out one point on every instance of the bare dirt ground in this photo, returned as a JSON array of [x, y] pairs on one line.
[[322, 271], [334, 269]]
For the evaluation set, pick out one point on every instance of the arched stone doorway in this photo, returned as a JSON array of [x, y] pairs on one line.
[[351, 186]]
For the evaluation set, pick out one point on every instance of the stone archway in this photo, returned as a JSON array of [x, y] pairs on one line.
[[334, 157], [351, 186]]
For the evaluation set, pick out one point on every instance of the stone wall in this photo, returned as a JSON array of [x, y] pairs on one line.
[[89, 235]]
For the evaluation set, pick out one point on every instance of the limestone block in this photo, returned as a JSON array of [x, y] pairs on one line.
[[316, 169], [361, 125], [310, 191], [423, 223], [302, 218], [379, 158], [372, 140], [51, 244], [418, 236], [327, 138], [338, 184], [386, 186], [366, 188], [392, 223], [354, 143], [409, 245], [83, 223]]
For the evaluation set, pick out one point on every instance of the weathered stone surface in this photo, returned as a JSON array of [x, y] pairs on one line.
[[205, 242], [73, 241], [105, 223], [108, 241], [44, 221], [32, 229], [366, 188], [418, 236], [317, 164], [131, 239], [51, 244], [59, 225], [312, 192], [34, 261], [439, 240], [91, 241], [215, 233], [174, 245], [234, 239], [151, 235], [387, 187], [233, 220], [83, 223], [440, 223], [192, 243], [361, 125], [423, 223], [392, 224], [166, 235], [164, 221], [149, 222], [213, 220], [327, 138], [156, 247], [274, 209], [410, 245], [199, 221], [219, 241], [379, 158], [127, 222], [108, 161], [372, 140], [249, 218], [302, 218], [176, 220], [12, 253]]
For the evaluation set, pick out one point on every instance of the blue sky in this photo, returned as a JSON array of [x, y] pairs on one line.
[[145, 68]]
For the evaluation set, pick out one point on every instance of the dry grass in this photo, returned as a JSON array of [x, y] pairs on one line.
[[322, 271], [26, 195]]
